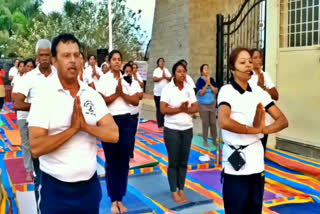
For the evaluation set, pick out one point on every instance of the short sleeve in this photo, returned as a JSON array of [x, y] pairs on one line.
[[23, 86], [12, 71], [190, 81], [168, 74], [139, 77], [137, 87], [268, 81], [165, 95], [199, 84], [264, 98], [39, 112], [192, 96], [213, 82], [156, 73], [101, 84], [101, 107], [224, 96]]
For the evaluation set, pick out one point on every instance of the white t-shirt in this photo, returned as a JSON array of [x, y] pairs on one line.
[[87, 75], [267, 83], [13, 72], [174, 98], [133, 88], [139, 77], [75, 160], [190, 81], [267, 80], [21, 115], [243, 106], [34, 83], [158, 86], [108, 87]]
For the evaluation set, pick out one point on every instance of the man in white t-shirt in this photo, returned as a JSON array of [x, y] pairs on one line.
[[64, 123], [161, 77], [13, 70], [35, 82]]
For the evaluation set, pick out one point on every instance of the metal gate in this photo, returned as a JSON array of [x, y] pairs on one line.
[[246, 28]]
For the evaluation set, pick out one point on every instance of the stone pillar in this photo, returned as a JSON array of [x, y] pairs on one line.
[[186, 29]]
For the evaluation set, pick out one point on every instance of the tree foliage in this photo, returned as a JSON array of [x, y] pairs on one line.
[[87, 20]]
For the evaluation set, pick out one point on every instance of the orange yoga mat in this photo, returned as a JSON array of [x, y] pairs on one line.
[[150, 126], [13, 136]]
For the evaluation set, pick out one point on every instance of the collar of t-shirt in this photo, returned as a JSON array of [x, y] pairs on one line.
[[58, 86], [237, 87], [38, 72]]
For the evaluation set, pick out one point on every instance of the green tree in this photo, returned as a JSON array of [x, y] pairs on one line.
[[88, 21]]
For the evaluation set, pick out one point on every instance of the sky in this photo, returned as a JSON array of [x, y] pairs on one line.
[[147, 7]]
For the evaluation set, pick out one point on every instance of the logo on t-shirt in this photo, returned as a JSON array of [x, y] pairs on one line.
[[89, 107]]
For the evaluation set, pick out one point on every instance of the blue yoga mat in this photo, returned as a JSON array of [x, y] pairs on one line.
[[307, 208], [155, 185], [133, 203]]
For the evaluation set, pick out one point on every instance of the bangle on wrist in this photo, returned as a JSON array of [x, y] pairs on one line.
[[246, 129]]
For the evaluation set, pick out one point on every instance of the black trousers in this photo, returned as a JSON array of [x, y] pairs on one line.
[[264, 141], [160, 117], [58, 197], [178, 145], [1, 102], [243, 194], [135, 118], [117, 158]]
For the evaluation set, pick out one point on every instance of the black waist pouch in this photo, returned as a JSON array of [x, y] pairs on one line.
[[235, 159]]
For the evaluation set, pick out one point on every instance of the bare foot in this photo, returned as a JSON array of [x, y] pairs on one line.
[[175, 196], [114, 208], [122, 208], [29, 176], [205, 144], [183, 197]]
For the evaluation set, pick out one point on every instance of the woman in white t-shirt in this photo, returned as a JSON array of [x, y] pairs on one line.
[[136, 75], [178, 102], [119, 98], [92, 73], [242, 122], [161, 77], [263, 80], [23, 68], [134, 88]]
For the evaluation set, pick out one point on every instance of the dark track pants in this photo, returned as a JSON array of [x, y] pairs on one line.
[[243, 194], [117, 158], [58, 197], [178, 147]]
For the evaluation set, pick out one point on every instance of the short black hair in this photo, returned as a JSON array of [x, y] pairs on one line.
[[113, 52], [30, 60], [125, 66], [104, 64], [91, 56], [81, 53], [135, 65], [183, 61], [20, 62], [158, 60], [234, 56], [176, 65], [202, 66], [64, 37]]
